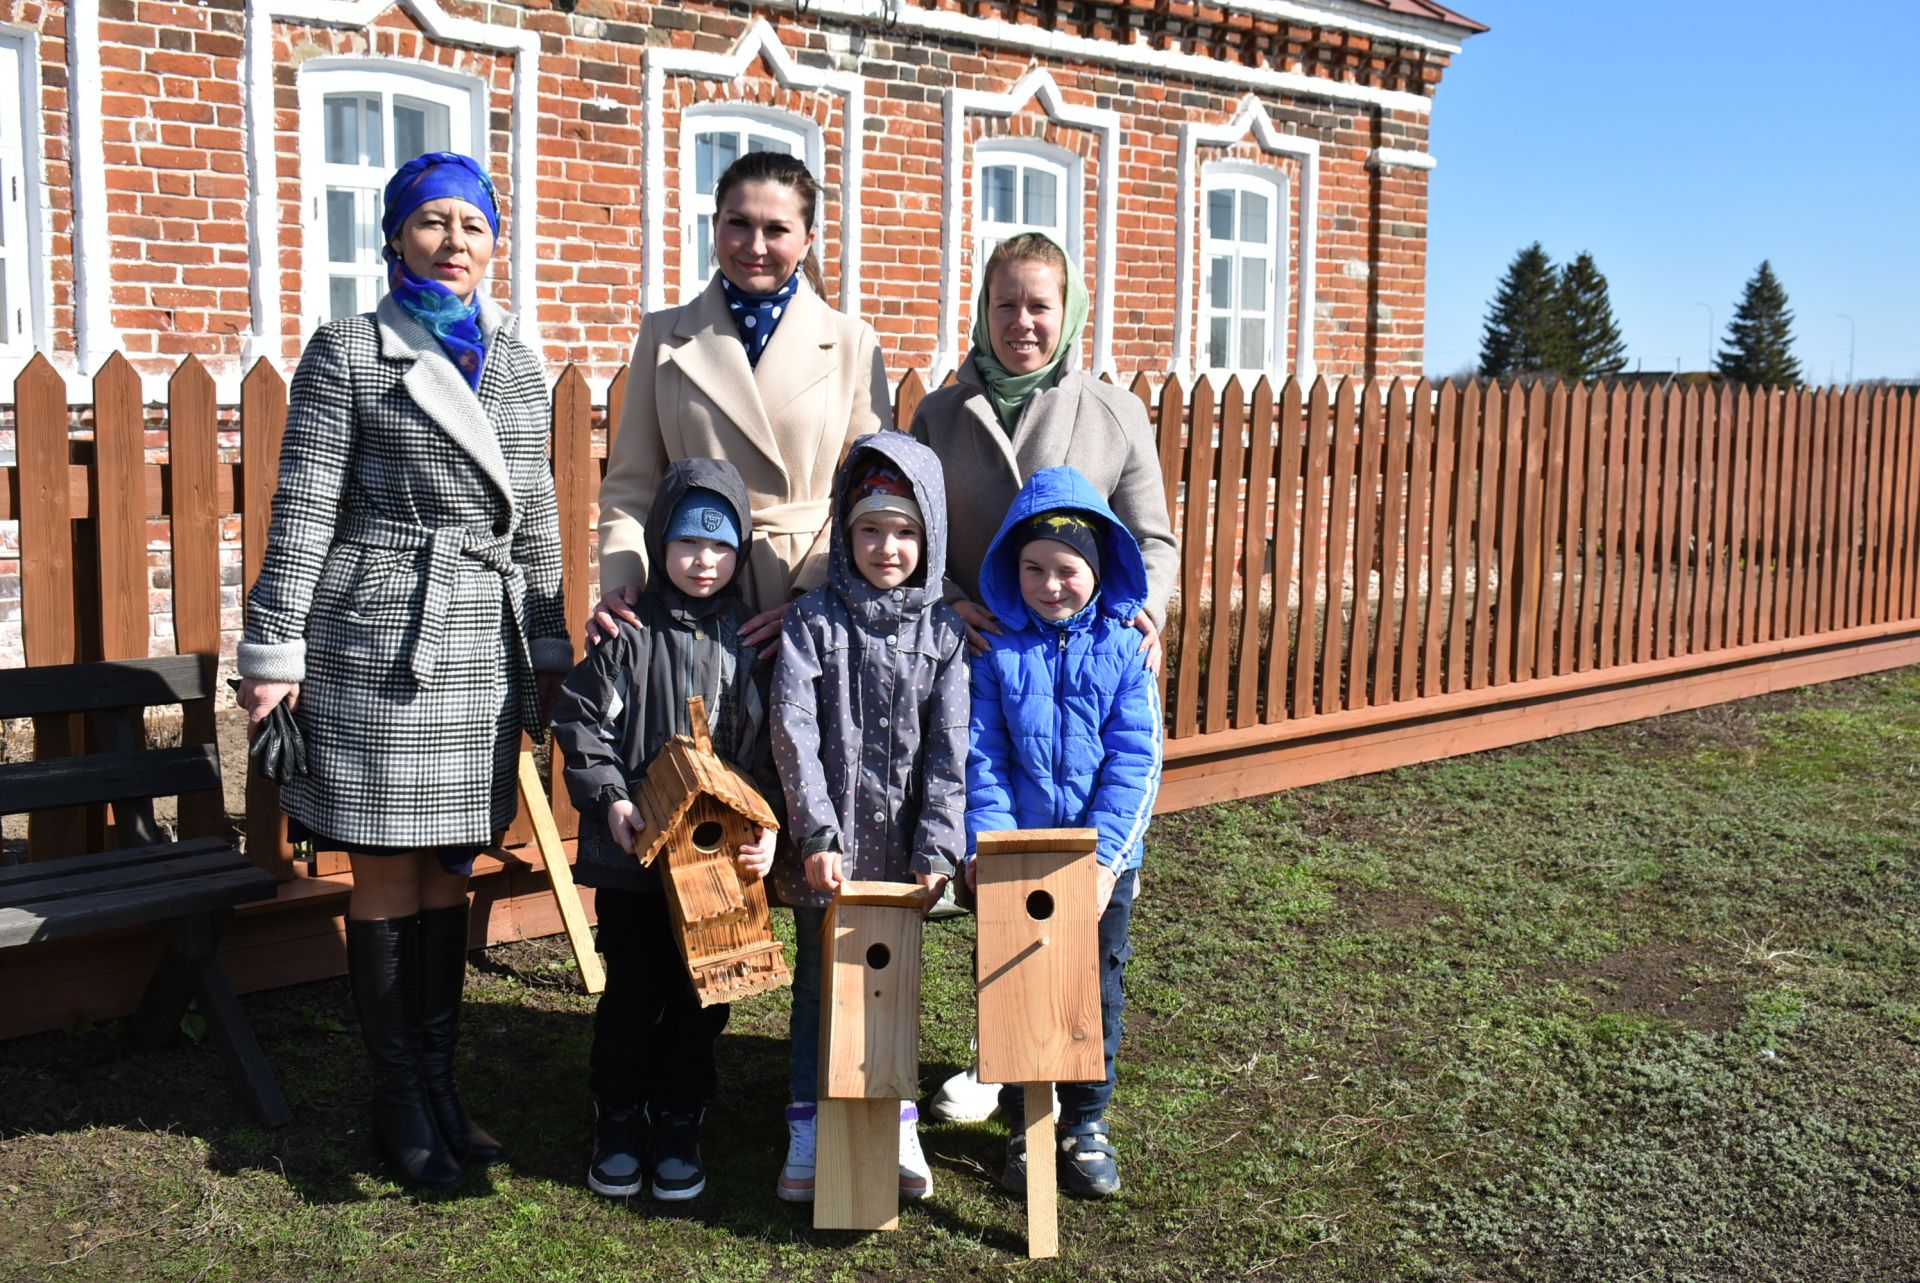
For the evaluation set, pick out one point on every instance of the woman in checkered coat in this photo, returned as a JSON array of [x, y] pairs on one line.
[[409, 596]]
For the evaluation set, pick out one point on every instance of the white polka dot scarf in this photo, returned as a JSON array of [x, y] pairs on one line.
[[756, 316]]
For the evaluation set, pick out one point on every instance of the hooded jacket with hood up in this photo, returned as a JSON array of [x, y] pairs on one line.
[[1066, 716], [870, 703], [628, 697]]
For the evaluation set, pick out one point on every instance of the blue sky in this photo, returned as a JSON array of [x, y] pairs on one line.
[[1681, 142]]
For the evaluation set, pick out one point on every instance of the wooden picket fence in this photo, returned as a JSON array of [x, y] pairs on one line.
[[1372, 575]]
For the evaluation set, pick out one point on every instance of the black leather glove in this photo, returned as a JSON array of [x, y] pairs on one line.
[[279, 750]]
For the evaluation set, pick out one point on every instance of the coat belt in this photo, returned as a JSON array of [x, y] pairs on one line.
[[445, 546]]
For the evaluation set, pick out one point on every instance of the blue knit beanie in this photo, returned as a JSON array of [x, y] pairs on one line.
[[704, 514]]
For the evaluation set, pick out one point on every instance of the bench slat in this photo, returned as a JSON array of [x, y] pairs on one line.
[[157, 874], [120, 683], [137, 906], [108, 777], [13, 877]]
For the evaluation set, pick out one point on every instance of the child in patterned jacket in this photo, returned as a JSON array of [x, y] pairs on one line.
[[870, 739]]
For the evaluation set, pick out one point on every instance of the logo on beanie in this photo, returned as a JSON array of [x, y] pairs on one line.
[[710, 519]]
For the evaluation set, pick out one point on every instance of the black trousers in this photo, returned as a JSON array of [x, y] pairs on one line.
[[652, 1040]]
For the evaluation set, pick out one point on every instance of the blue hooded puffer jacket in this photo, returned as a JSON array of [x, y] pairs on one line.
[[1066, 718]]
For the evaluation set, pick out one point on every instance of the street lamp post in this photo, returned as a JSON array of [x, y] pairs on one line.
[[1850, 333], [1709, 307]]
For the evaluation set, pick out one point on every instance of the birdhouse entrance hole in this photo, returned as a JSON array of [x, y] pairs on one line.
[[878, 956], [706, 837], [1039, 906]]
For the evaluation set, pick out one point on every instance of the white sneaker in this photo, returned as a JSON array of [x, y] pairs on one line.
[[916, 1177], [963, 1098], [796, 1177]]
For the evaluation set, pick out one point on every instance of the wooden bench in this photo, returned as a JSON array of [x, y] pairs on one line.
[[186, 889]]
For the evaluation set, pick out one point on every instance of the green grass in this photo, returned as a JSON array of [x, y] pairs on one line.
[[1635, 1004]]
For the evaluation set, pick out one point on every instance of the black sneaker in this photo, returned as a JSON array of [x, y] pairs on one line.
[[619, 1141], [677, 1173], [1013, 1173], [1089, 1166]]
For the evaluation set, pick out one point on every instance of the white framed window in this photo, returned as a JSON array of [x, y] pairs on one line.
[[360, 119], [22, 292], [1243, 270], [1021, 186], [712, 138]]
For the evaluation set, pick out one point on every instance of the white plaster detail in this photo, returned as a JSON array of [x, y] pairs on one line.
[[267, 238], [1136, 56], [955, 212], [95, 338], [20, 46], [1250, 119], [758, 42], [1364, 20], [1399, 158]]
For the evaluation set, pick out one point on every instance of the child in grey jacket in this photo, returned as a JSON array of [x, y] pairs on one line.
[[870, 711]]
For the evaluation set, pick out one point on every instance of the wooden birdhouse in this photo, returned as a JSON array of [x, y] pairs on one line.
[[869, 1050], [1039, 963], [698, 811]]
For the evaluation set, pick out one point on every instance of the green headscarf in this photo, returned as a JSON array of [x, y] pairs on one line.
[[1009, 392]]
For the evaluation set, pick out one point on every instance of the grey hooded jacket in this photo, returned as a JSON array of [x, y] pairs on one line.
[[870, 705]]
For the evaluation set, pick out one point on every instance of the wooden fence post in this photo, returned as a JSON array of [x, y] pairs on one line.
[[263, 421], [193, 538]]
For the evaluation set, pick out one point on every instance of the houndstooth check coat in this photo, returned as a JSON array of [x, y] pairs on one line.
[[412, 580]]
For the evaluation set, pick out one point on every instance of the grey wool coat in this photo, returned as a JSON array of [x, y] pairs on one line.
[[870, 706], [412, 580], [1099, 430]]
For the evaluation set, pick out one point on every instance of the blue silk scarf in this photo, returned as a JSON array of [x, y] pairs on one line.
[[440, 311]]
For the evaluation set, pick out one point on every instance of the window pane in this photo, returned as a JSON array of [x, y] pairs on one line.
[[1217, 343], [341, 232], [1220, 215], [997, 184], [343, 297], [766, 142], [1253, 217], [1253, 344], [702, 242], [712, 153], [1042, 198], [1220, 281], [343, 129], [8, 333], [375, 132], [1253, 284]]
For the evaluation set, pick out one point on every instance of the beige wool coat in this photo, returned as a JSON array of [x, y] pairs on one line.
[[1098, 429], [785, 424]]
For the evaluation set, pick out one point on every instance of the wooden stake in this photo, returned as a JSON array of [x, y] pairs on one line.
[[1043, 1214], [857, 1165], [546, 836]]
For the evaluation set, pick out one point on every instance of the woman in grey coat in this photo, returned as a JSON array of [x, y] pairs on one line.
[[409, 596], [1019, 405]]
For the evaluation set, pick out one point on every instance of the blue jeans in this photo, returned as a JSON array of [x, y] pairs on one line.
[[1087, 1102], [803, 1026]]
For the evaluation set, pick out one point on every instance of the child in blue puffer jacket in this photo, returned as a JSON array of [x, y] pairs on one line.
[[1067, 734]]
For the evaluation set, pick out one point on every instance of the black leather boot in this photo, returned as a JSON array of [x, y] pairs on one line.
[[443, 976], [383, 966]]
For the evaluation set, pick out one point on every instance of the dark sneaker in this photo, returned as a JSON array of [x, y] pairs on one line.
[[677, 1173], [1013, 1173], [617, 1169], [1088, 1163]]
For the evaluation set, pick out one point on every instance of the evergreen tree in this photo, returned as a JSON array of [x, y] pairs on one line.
[[1522, 333], [1760, 337], [1589, 345]]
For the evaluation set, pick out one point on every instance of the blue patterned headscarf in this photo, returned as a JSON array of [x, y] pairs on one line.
[[456, 324], [756, 315]]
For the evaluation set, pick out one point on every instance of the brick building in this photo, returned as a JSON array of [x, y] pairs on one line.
[[1245, 181]]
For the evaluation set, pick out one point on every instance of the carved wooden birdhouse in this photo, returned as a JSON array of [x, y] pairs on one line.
[[869, 1050], [698, 811], [1039, 964]]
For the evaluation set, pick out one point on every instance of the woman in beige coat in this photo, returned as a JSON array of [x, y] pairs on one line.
[[758, 371]]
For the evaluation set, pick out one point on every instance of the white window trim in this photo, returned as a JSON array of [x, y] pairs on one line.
[[1240, 176], [1250, 120], [464, 97], [757, 42], [960, 103], [21, 44], [267, 239], [1065, 166], [803, 133]]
